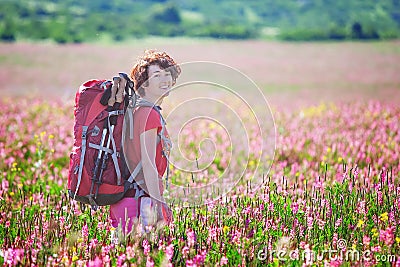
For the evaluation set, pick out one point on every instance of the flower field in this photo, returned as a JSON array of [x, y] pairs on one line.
[[329, 194], [333, 187]]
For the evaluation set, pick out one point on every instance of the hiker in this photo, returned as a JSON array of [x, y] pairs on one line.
[[154, 74]]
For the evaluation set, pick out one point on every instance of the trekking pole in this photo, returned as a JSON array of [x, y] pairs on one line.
[[96, 167], [129, 83], [107, 85], [113, 104], [129, 89]]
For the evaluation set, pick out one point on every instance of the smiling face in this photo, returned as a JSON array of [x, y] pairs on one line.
[[158, 84]]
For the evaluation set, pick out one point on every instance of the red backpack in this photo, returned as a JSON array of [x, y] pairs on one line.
[[96, 166], [98, 174], [86, 160]]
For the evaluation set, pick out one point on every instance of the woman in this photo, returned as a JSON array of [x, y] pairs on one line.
[[154, 74]]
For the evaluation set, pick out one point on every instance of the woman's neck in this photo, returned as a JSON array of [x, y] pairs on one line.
[[156, 102]]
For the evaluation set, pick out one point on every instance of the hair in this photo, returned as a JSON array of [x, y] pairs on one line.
[[139, 72]]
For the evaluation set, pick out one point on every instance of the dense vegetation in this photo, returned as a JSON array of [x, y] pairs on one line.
[[81, 21], [330, 199]]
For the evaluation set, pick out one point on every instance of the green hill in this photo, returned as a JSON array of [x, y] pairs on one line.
[[81, 21]]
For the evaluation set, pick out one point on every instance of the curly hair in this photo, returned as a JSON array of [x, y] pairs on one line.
[[139, 72]]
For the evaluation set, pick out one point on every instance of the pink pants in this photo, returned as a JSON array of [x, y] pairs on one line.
[[124, 211]]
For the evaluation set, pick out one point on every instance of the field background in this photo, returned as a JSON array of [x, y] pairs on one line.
[[289, 74], [334, 177]]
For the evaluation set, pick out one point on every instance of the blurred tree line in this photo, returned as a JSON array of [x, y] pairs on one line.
[[78, 21]]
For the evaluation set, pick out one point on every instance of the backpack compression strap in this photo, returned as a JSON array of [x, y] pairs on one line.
[[82, 159]]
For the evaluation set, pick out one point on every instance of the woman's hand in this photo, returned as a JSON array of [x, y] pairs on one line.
[[164, 213], [154, 211]]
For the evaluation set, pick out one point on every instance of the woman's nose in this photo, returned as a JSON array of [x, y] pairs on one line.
[[166, 78]]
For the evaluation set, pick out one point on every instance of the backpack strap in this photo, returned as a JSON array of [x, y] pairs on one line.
[[102, 148], [131, 180], [167, 144], [114, 155], [135, 172], [130, 183], [82, 159], [130, 114]]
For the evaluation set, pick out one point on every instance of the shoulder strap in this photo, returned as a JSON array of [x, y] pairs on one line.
[[167, 144], [144, 103], [131, 109]]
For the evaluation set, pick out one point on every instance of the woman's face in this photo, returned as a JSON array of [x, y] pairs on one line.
[[159, 83]]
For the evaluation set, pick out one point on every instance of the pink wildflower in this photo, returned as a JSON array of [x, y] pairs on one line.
[[271, 207], [366, 240], [185, 251], [169, 251], [387, 236], [335, 263], [149, 262], [62, 221], [97, 262], [247, 210], [13, 256], [361, 208], [295, 207], [224, 260], [212, 233], [344, 176], [376, 249], [392, 217], [191, 237], [146, 247], [334, 239], [398, 262], [4, 185], [121, 260], [321, 224], [130, 253], [319, 185], [106, 260], [93, 243], [310, 222], [200, 258], [190, 263], [236, 235], [338, 223], [85, 231], [105, 250], [380, 197]]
